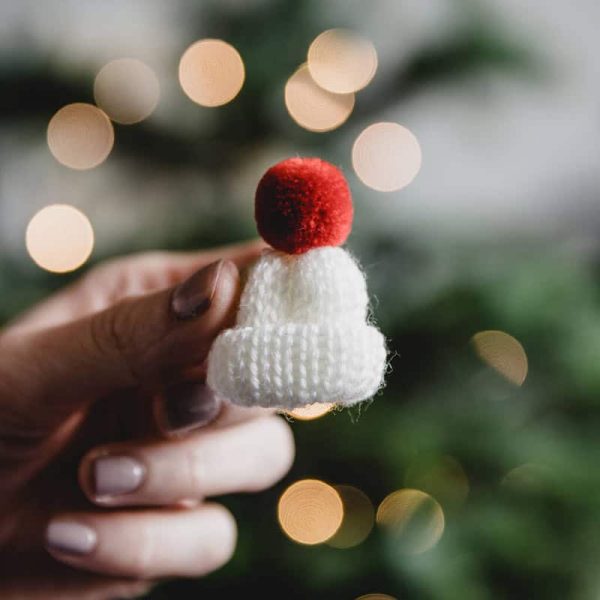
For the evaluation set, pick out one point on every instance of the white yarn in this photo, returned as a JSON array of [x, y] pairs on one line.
[[301, 335]]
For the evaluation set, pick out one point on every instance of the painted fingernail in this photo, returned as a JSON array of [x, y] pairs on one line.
[[193, 297], [188, 406], [116, 475], [70, 537]]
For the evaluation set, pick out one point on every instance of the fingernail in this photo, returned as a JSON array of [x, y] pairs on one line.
[[70, 537], [116, 475], [188, 406], [192, 297]]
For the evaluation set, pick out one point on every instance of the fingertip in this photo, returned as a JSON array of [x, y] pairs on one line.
[[244, 253], [108, 474], [185, 407], [287, 445], [226, 529], [228, 288], [205, 290], [275, 463]]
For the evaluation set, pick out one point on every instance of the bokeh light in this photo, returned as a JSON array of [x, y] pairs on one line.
[[414, 518], [314, 108], [376, 597], [359, 518], [310, 511], [127, 90], [386, 157], [528, 476], [80, 136], [442, 477], [211, 72], [311, 411], [59, 238], [341, 61], [503, 353]]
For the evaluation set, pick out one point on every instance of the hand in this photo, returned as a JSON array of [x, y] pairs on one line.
[[42, 578], [101, 403]]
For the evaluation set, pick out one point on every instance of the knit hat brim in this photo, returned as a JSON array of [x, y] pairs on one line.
[[291, 365]]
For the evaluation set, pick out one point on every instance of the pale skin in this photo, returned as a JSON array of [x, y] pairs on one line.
[[85, 375]]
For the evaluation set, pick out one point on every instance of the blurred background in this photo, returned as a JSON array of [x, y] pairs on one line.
[[474, 473]]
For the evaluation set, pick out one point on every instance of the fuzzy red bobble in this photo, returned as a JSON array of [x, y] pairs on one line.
[[303, 203]]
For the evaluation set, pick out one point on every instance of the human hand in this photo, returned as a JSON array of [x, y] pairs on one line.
[[43, 578], [111, 370]]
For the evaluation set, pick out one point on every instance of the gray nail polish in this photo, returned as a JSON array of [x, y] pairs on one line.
[[194, 296], [70, 537], [190, 405], [116, 475]]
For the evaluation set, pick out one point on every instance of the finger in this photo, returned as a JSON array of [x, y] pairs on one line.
[[145, 544], [133, 275], [247, 457], [35, 579], [189, 405], [146, 342], [242, 254]]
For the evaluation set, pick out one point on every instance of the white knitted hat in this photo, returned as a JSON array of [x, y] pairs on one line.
[[301, 335]]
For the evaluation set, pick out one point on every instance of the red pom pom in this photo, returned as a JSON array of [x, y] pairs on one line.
[[303, 203]]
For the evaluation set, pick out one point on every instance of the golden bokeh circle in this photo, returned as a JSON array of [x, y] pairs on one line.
[[415, 519], [442, 477], [386, 156], [358, 521], [341, 61], [310, 511], [127, 90], [59, 238], [314, 108], [310, 412], [211, 72], [503, 353], [376, 597], [80, 136], [527, 476]]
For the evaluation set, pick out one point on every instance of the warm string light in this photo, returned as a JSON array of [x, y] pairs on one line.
[[80, 136], [319, 96], [358, 521], [314, 108], [414, 519], [503, 353], [311, 412], [310, 511], [342, 62], [444, 478], [59, 238], [211, 72], [386, 157], [127, 90], [527, 476]]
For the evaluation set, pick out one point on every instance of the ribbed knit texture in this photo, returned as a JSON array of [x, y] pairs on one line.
[[301, 335]]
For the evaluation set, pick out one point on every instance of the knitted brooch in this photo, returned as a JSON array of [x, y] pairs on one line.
[[301, 334]]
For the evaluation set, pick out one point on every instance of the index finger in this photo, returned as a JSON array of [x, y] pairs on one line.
[[132, 275]]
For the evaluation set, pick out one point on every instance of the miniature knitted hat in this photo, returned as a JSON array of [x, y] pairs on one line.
[[301, 334]]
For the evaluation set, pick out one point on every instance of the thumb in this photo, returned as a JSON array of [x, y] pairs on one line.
[[146, 342]]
